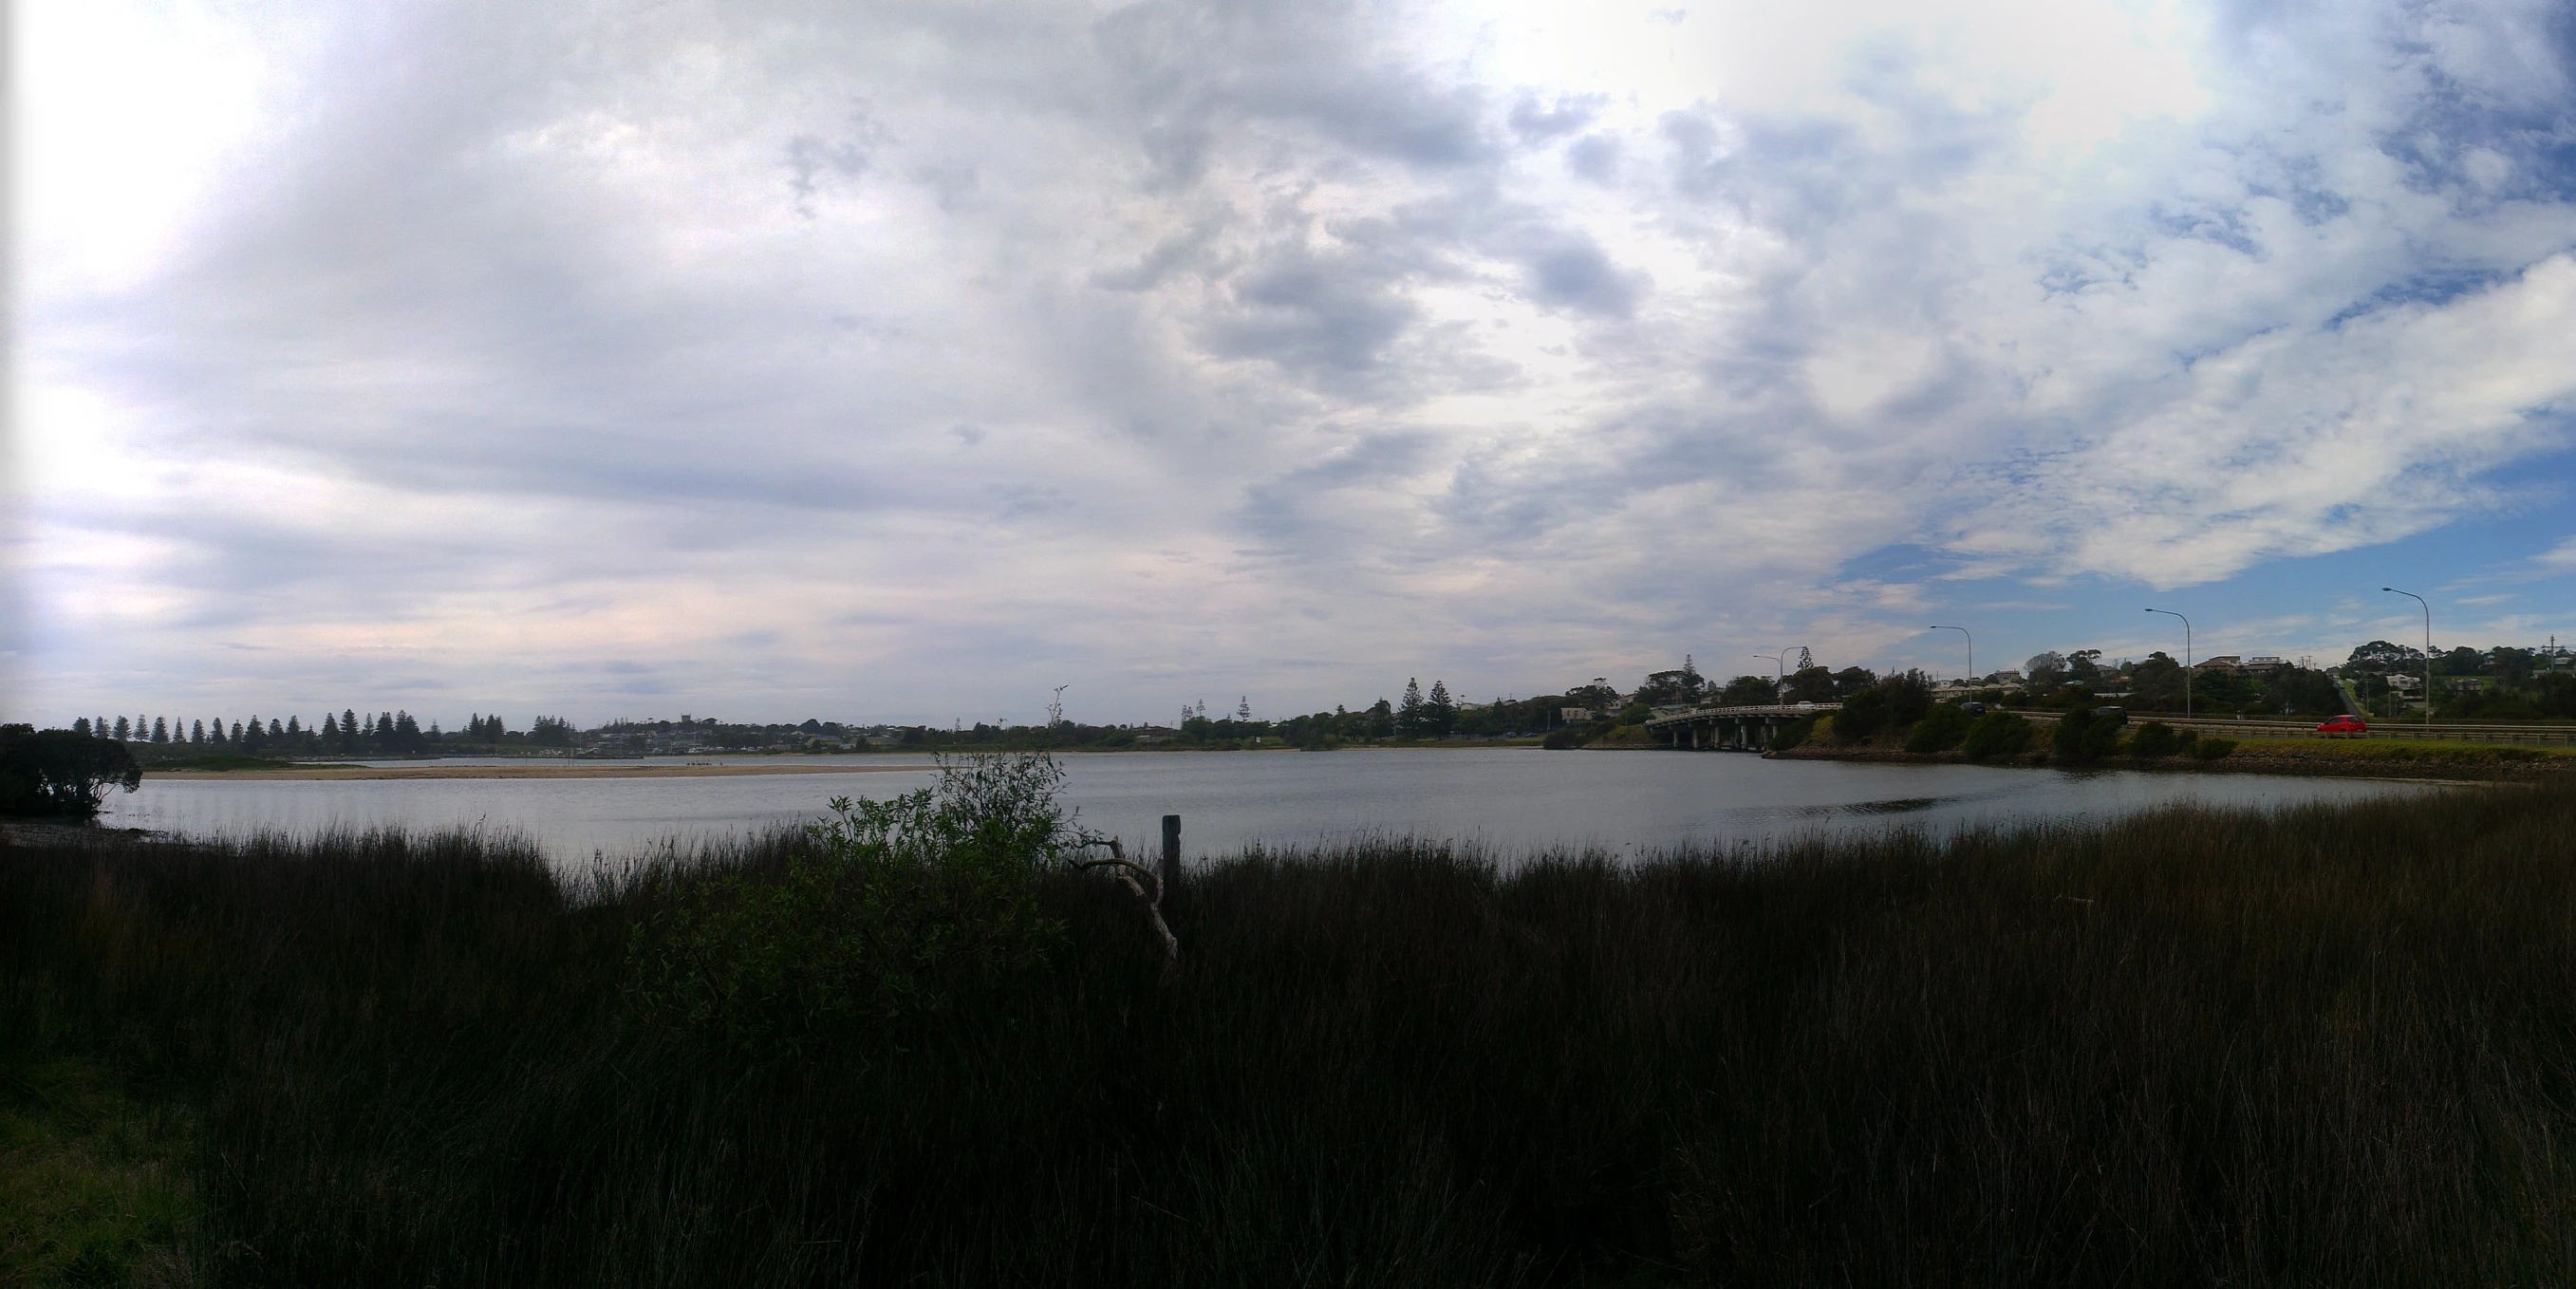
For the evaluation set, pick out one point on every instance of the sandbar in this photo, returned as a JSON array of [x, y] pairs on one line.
[[536, 770]]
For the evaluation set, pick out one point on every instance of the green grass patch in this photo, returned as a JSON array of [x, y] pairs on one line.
[[93, 1183], [2410, 752]]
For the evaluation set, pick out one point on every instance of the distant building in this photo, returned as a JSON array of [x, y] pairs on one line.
[[2264, 662], [2226, 662], [1574, 715]]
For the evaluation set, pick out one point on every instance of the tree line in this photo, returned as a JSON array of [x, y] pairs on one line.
[[393, 733]]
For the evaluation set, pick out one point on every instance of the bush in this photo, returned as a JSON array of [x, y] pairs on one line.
[[2066, 743], [1560, 740], [2154, 739], [1862, 715], [1997, 734], [1939, 730], [1793, 734], [2085, 735], [2210, 749], [60, 772], [894, 907]]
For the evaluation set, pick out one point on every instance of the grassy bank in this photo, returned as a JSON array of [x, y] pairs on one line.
[[2323, 1047], [2375, 758]]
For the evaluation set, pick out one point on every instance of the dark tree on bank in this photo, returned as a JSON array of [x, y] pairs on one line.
[[60, 772], [1439, 712], [1408, 714]]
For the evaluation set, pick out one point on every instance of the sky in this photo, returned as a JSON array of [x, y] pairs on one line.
[[903, 361]]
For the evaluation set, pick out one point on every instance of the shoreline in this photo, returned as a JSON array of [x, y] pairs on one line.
[[539, 770], [2403, 769]]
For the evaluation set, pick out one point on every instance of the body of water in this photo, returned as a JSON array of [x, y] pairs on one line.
[[1515, 802]]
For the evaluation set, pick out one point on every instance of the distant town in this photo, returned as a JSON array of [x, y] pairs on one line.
[[2378, 679]]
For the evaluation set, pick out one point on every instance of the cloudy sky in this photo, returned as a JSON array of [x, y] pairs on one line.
[[905, 360]]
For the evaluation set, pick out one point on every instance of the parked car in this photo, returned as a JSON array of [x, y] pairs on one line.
[[2344, 725], [1973, 709]]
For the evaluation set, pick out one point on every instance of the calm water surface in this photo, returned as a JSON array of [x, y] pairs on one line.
[[1515, 802]]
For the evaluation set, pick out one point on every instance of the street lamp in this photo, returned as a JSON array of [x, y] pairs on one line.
[[1972, 649], [2428, 650], [2186, 659], [1781, 660]]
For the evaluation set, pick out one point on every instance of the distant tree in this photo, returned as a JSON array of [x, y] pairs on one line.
[[2156, 684], [1909, 696], [348, 729], [1749, 691], [61, 772], [294, 727], [1408, 714], [2084, 666], [1243, 709], [2462, 661], [550, 731], [1597, 696], [160, 730], [197, 734], [253, 742], [1810, 685], [1863, 714], [2511, 666], [122, 729], [2044, 671], [2381, 656], [1439, 713], [1852, 680], [81, 727]]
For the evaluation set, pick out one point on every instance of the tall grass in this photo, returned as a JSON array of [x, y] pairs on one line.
[[2327, 1047]]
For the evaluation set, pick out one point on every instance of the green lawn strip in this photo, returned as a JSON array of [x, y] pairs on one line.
[[92, 1187], [2407, 751]]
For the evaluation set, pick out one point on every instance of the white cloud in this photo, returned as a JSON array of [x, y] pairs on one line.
[[888, 358]]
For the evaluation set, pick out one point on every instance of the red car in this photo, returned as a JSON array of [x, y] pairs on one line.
[[2344, 725]]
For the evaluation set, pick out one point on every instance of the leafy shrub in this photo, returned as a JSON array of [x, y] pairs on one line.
[[1940, 730], [2210, 749], [1862, 715], [2154, 739], [1560, 740], [1793, 734], [1997, 734], [2085, 735], [893, 908]]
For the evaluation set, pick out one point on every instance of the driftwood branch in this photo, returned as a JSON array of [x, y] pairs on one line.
[[1128, 871]]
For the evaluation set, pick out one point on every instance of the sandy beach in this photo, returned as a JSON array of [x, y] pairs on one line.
[[533, 770]]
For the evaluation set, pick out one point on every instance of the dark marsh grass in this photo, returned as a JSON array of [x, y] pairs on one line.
[[2317, 1047]]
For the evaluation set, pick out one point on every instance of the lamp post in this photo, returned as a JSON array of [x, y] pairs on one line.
[[1972, 649], [2186, 659], [1781, 660], [2428, 650]]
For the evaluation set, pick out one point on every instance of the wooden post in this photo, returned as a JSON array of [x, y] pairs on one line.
[[1171, 870]]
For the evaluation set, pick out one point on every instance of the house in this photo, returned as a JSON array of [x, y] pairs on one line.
[[2227, 662], [2264, 662], [1575, 715]]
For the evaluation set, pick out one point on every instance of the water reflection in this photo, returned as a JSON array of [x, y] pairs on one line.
[[1510, 802]]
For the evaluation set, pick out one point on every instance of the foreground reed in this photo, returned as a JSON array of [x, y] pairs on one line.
[[2317, 1047]]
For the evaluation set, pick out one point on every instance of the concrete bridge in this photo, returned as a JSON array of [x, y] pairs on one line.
[[1733, 729]]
